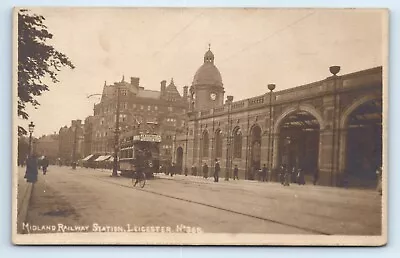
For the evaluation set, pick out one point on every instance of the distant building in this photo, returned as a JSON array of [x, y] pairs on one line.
[[137, 105], [71, 142], [48, 145]]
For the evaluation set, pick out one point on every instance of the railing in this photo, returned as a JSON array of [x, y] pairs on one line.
[[368, 77], [205, 113], [256, 101], [219, 109], [301, 91], [238, 105]]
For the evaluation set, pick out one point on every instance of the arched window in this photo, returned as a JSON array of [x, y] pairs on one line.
[[237, 143], [218, 144], [206, 143]]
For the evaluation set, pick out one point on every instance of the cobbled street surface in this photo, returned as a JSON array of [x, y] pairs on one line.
[[89, 197]]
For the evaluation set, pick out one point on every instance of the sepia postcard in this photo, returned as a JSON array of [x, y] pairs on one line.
[[200, 126]]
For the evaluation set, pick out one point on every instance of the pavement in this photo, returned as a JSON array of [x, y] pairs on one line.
[[67, 200], [24, 191]]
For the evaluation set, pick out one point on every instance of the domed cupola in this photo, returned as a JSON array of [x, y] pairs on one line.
[[209, 57], [207, 84], [208, 73]]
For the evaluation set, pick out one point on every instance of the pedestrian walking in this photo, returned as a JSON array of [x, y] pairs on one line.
[[315, 180], [379, 180], [45, 165], [293, 175], [254, 173], [217, 169], [173, 168], [194, 170], [300, 177], [205, 170], [282, 174], [264, 173], [236, 173], [287, 177], [31, 169]]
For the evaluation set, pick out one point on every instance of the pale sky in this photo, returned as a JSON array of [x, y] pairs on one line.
[[252, 48]]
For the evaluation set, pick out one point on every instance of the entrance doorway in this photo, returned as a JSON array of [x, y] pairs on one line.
[[179, 159], [255, 160], [364, 144], [299, 143]]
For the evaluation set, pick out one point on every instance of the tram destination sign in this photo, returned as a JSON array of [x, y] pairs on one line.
[[147, 138]]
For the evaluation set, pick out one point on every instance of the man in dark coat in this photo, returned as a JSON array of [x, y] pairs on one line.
[[236, 173], [173, 168], [264, 173], [217, 169], [300, 177], [31, 169], [45, 164], [315, 180], [205, 170]]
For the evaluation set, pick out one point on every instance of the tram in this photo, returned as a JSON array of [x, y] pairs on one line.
[[140, 149]]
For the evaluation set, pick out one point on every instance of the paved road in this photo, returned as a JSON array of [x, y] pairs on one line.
[[87, 196]]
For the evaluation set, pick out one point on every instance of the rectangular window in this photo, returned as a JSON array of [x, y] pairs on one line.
[[148, 108], [170, 109], [141, 107], [156, 108]]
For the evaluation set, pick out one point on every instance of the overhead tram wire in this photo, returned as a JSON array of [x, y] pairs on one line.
[[269, 36], [177, 34]]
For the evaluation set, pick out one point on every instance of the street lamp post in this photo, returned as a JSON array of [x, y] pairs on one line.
[[74, 147], [228, 132], [334, 71], [116, 135], [271, 87], [186, 150], [31, 127]]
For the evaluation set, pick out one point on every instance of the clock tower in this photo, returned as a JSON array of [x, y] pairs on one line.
[[207, 84]]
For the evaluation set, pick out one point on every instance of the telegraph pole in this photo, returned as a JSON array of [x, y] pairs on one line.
[[74, 146], [271, 87], [116, 135], [227, 169]]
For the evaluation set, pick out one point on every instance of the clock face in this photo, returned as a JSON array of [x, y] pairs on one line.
[[213, 96]]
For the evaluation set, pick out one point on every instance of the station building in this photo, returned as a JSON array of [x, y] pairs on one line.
[[331, 129]]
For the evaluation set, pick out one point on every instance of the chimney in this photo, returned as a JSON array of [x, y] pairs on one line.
[[185, 91], [163, 86], [135, 82]]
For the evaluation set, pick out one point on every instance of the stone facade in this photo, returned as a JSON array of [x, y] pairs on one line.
[[136, 105], [70, 138], [307, 128], [48, 146]]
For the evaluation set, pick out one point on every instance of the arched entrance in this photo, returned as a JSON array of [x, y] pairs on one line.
[[364, 144], [179, 159], [298, 146], [255, 151]]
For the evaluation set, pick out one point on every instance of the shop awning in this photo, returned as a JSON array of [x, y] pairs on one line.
[[103, 158], [88, 157]]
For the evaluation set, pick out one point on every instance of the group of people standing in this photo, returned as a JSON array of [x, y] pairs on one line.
[[205, 169], [287, 176], [170, 169]]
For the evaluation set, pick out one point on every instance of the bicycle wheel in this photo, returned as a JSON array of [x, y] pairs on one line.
[[142, 180]]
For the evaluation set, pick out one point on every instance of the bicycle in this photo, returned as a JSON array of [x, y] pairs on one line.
[[138, 178]]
